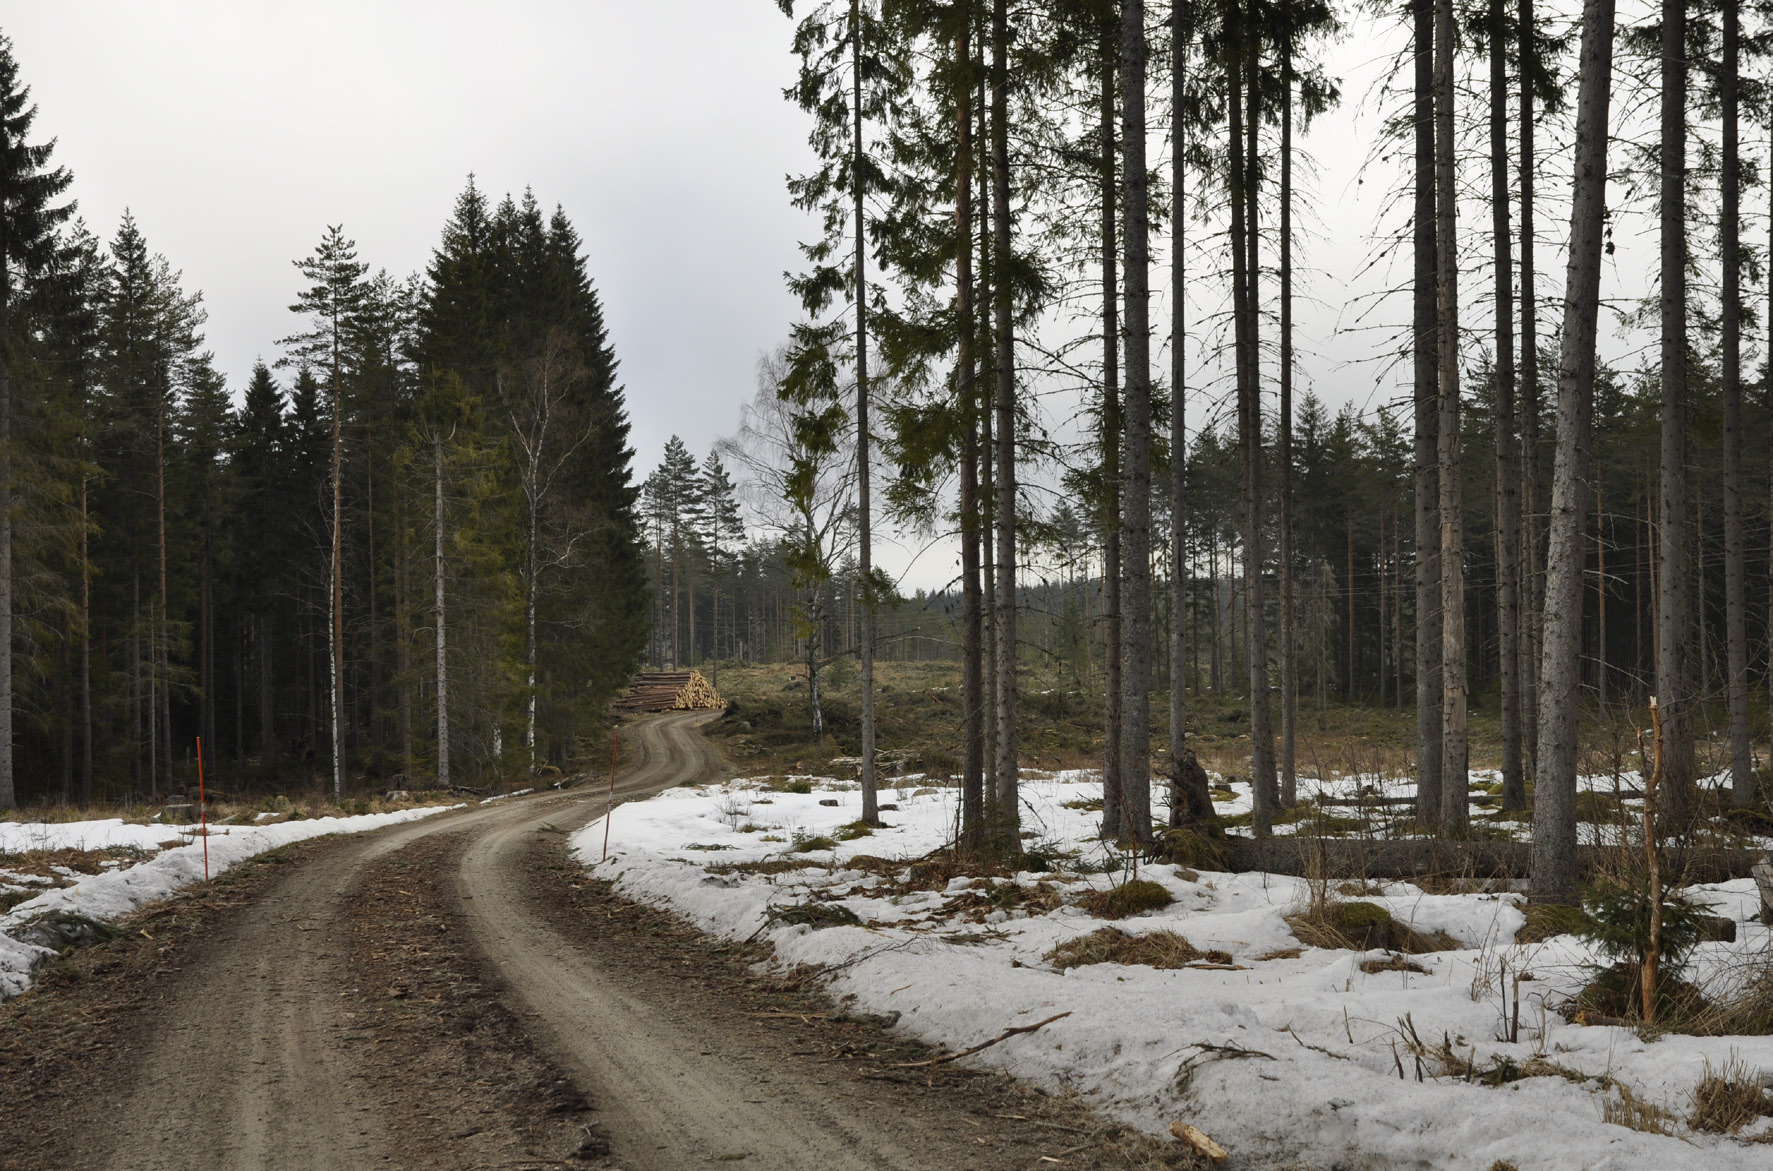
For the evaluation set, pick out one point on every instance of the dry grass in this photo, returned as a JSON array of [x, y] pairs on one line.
[[1111, 945], [1729, 1099], [1634, 1113], [1740, 1002], [1359, 926], [766, 866], [1133, 897]]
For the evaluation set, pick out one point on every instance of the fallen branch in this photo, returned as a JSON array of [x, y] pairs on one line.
[[1201, 1144], [1003, 1036]]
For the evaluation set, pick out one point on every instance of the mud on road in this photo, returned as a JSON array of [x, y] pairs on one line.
[[456, 993]]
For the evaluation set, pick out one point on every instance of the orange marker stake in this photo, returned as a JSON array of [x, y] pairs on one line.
[[202, 809], [609, 806]]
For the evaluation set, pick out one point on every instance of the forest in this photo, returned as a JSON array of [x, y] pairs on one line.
[[408, 547], [1050, 316]]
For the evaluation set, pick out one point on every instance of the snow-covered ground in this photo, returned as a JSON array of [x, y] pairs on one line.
[[1286, 1053], [152, 862]]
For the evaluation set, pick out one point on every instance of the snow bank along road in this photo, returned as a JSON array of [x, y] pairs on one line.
[[249, 1054]]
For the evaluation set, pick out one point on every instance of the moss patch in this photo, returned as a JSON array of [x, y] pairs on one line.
[[1547, 920], [1196, 850]]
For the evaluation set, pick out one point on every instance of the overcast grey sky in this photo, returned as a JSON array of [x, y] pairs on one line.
[[236, 131]]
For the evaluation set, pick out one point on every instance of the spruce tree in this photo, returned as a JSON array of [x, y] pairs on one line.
[[29, 217]]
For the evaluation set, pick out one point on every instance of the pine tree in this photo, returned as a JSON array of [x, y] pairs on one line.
[[333, 303], [851, 76]]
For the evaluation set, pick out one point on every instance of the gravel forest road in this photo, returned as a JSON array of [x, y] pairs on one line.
[[454, 993]]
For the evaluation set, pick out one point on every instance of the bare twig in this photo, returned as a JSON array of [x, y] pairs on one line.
[[1003, 1036]]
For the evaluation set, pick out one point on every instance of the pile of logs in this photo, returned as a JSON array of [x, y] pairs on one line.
[[669, 691]]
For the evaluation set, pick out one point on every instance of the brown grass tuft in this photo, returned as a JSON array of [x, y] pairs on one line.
[[1133, 897], [1630, 1111], [1361, 926], [1729, 1099], [1111, 945], [1392, 963]]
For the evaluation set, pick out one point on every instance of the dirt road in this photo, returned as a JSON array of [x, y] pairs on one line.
[[454, 993]]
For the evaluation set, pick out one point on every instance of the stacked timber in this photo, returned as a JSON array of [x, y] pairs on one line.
[[697, 696], [668, 691]]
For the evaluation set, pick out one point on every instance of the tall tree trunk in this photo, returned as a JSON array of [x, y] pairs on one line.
[[267, 688], [1508, 499], [1529, 563], [973, 669], [1674, 617], [1429, 681], [1136, 624], [442, 626], [676, 589], [531, 572], [336, 603], [375, 626], [1455, 782], [1005, 816], [1554, 808], [864, 511], [1113, 815], [1249, 423], [1289, 652], [85, 639], [987, 304], [1262, 772], [1742, 773], [1186, 797], [8, 796], [162, 635]]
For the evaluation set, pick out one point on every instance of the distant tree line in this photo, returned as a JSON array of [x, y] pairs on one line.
[[409, 547]]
